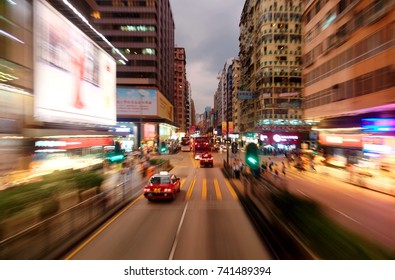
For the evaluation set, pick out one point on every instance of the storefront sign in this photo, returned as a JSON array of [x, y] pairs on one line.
[[284, 138], [280, 138], [149, 131], [341, 140], [73, 143], [378, 125], [124, 129]]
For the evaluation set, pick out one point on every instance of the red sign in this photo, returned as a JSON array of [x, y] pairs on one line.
[[341, 140]]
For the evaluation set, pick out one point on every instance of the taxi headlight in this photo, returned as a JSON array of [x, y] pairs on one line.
[[167, 190]]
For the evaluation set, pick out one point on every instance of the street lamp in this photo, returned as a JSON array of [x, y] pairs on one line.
[[141, 119]]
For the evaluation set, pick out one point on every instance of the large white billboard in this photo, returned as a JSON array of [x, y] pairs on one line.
[[136, 102], [74, 79]]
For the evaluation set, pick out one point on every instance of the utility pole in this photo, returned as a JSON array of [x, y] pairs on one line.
[[227, 128], [227, 137]]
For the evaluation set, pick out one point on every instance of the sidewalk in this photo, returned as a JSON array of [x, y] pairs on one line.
[[379, 183]]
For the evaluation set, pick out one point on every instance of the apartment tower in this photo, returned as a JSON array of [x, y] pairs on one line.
[[349, 64], [181, 90], [271, 66], [349, 85]]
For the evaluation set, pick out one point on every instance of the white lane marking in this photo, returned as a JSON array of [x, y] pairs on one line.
[[173, 249], [345, 215], [302, 193], [368, 228]]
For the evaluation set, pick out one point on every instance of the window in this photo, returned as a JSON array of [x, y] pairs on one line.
[[155, 180]]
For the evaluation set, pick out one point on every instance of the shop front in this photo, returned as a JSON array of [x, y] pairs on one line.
[[151, 113], [60, 153], [341, 149], [365, 160]]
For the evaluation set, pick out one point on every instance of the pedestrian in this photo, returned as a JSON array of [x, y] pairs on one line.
[[283, 168], [236, 169], [264, 167], [146, 164], [275, 169], [299, 164], [241, 166], [350, 169], [312, 165], [271, 165]]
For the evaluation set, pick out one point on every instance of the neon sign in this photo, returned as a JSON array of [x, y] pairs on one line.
[[378, 125]]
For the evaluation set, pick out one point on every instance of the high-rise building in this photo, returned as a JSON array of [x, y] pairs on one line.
[[235, 94], [192, 115], [143, 31], [349, 58], [349, 85], [140, 35], [271, 65], [181, 91]]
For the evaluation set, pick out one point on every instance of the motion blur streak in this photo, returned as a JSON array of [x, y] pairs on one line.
[[103, 228]]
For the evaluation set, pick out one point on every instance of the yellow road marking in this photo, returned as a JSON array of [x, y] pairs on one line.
[[194, 161], [189, 193], [79, 248], [204, 189], [217, 190], [231, 190], [182, 182]]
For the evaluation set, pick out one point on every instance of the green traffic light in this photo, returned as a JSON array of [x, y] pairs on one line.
[[115, 158], [252, 160], [252, 156]]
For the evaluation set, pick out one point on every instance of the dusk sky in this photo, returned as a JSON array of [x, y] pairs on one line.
[[209, 32]]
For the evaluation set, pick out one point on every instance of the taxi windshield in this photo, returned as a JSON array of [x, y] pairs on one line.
[[160, 180]]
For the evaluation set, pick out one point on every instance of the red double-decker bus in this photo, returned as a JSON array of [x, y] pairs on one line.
[[201, 145]]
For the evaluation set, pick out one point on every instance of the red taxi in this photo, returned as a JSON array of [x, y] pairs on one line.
[[162, 186], [207, 160]]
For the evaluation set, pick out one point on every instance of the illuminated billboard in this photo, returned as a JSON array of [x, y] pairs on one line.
[[136, 102], [165, 109], [74, 79]]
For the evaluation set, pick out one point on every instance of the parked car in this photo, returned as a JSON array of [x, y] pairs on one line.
[[207, 160], [163, 185]]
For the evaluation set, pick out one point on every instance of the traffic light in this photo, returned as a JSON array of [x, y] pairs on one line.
[[234, 147], [252, 157], [163, 147], [117, 155]]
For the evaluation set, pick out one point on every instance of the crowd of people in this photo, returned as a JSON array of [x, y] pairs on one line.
[[299, 161]]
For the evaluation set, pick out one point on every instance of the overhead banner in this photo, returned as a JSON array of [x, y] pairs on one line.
[[230, 128], [74, 79]]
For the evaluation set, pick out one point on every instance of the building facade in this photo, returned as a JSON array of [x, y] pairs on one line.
[[349, 86], [181, 90], [270, 56], [140, 35]]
